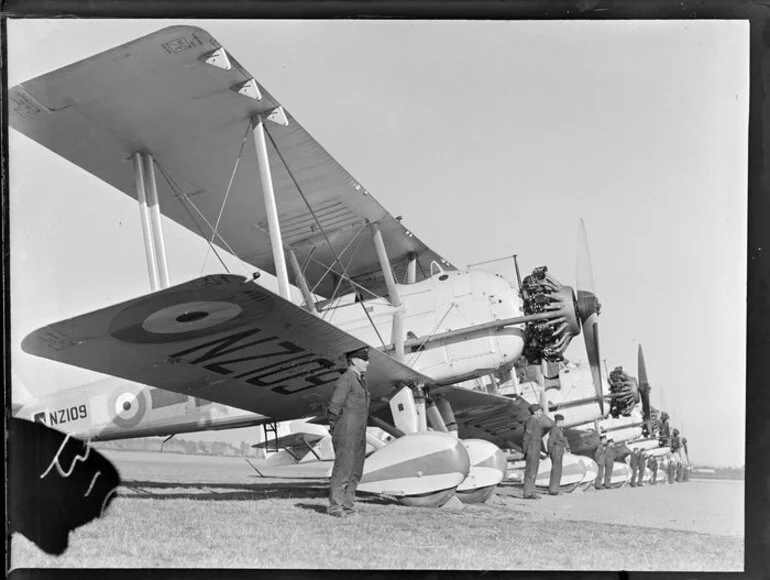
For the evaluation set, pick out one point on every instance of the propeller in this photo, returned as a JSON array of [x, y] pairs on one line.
[[588, 308], [644, 385]]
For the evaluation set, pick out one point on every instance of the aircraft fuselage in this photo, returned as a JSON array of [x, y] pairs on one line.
[[446, 302], [115, 408]]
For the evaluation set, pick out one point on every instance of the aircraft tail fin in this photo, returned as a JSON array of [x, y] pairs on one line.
[[20, 396]]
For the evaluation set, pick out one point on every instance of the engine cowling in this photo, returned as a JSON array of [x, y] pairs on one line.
[[548, 339], [626, 391]]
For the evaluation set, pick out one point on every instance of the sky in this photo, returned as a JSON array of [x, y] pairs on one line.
[[489, 138]]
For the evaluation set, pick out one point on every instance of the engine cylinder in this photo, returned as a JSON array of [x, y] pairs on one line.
[[548, 339]]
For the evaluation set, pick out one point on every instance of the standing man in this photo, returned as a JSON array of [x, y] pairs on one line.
[[633, 461], [642, 467], [348, 414], [671, 469], [686, 476], [533, 440], [609, 462], [654, 470], [557, 444], [676, 444], [599, 458]]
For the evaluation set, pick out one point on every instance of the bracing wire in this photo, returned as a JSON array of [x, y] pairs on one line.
[[331, 311], [342, 253], [306, 261], [427, 338], [182, 198], [227, 194], [323, 231], [355, 285]]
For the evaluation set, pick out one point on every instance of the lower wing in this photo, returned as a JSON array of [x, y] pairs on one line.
[[222, 338]]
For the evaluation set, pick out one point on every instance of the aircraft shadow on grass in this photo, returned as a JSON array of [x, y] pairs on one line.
[[215, 491], [235, 491], [360, 499]]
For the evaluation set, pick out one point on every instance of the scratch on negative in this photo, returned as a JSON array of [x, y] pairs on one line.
[[55, 461], [113, 491], [93, 481]]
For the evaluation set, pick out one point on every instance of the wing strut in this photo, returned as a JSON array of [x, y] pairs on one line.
[[149, 247], [149, 209], [411, 269], [299, 277], [397, 335], [337, 257], [271, 209], [157, 230]]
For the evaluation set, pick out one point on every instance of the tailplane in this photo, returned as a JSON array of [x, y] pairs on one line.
[[20, 396]]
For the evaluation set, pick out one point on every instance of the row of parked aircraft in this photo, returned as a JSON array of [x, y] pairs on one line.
[[162, 119]]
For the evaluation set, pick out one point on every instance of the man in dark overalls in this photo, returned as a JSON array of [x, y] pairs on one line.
[[533, 440], [557, 445], [348, 414], [599, 456], [609, 462], [654, 470], [686, 475], [671, 469], [642, 468], [633, 462], [676, 449]]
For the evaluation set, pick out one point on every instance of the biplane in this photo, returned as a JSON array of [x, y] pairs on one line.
[[174, 121]]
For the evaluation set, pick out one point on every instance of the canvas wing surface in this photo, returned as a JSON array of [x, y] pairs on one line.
[[156, 95], [493, 418], [224, 339]]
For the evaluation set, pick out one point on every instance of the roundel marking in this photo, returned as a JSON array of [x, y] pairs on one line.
[[128, 409], [190, 317], [173, 316]]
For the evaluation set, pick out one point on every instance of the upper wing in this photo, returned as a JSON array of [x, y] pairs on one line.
[[480, 415], [221, 338], [156, 95]]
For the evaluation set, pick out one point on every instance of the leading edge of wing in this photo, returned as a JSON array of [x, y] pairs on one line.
[[156, 95], [222, 338]]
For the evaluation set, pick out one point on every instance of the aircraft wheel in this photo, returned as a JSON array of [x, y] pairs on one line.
[[428, 500], [479, 495]]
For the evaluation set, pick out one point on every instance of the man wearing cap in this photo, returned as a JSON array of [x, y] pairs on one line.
[[609, 462], [599, 456], [348, 414], [642, 468], [533, 440], [557, 444]]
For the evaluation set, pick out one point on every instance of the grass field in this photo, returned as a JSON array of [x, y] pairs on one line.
[[212, 512]]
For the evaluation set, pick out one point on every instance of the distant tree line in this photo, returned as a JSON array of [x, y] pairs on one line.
[[708, 472], [175, 445]]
